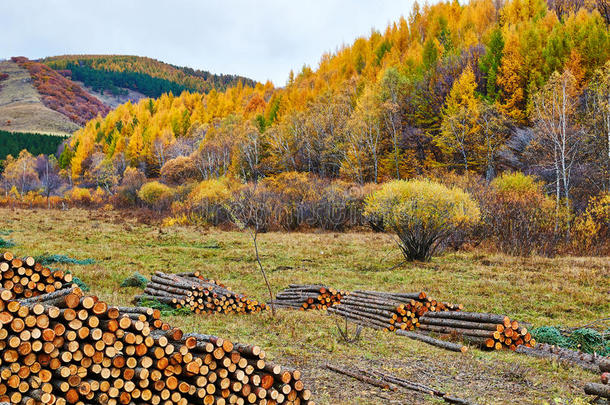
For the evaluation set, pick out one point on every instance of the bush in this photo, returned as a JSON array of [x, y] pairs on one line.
[[127, 192], [209, 200], [591, 232], [422, 213], [79, 196], [521, 218], [179, 169], [156, 195], [292, 191]]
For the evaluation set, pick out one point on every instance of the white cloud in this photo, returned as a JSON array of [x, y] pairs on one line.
[[261, 39]]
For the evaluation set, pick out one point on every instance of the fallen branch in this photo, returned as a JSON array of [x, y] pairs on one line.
[[361, 377]]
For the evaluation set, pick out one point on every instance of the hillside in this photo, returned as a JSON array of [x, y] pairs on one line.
[[452, 87], [61, 94], [148, 76], [37, 99], [22, 108]]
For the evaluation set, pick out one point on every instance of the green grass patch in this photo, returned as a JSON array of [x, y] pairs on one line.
[[46, 260]]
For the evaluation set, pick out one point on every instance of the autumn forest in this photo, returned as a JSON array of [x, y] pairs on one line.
[[458, 93]]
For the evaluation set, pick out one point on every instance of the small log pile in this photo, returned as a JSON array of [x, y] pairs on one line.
[[192, 291], [489, 331], [389, 311], [26, 278], [65, 347], [308, 296], [602, 389]]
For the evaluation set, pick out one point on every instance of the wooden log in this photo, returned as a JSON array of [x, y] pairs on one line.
[[572, 357], [459, 331], [360, 377], [432, 341], [600, 390], [469, 316], [425, 319]]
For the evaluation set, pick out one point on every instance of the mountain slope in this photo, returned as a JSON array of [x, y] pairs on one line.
[[22, 108], [146, 75], [378, 108], [61, 94]]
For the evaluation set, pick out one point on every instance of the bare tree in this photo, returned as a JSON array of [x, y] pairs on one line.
[[495, 131], [555, 109], [48, 173], [249, 213]]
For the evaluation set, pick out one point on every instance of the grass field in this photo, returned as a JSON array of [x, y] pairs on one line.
[[568, 291]]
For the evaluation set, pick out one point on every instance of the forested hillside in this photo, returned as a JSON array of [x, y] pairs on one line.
[[145, 75], [470, 87], [11, 143]]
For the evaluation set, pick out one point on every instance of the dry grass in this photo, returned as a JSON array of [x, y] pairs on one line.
[[568, 291], [20, 104]]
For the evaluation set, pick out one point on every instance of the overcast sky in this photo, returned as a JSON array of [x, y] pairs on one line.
[[260, 39]]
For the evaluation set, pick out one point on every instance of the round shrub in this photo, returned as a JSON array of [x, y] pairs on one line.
[[155, 195], [422, 213]]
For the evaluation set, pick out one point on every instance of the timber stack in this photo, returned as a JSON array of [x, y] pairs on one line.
[[308, 296], [491, 331], [25, 278], [601, 389], [64, 347], [192, 291], [389, 311]]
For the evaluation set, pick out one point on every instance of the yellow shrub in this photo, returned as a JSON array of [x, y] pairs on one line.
[[292, 186], [98, 196], [78, 196], [214, 191], [155, 194], [516, 182], [422, 213], [592, 228]]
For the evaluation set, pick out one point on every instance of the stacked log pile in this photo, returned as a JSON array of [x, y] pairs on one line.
[[490, 331], [25, 278], [308, 296], [192, 291], [389, 311], [601, 389], [64, 347]]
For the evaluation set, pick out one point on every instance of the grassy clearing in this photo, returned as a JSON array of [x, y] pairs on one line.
[[568, 291]]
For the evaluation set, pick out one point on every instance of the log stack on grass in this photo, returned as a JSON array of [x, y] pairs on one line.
[[308, 296], [389, 311], [602, 388], [200, 295], [64, 347], [491, 331], [26, 278]]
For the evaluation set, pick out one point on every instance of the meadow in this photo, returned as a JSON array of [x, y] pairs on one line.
[[567, 291]]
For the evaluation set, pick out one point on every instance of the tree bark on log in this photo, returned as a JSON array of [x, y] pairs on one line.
[[434, 342], [601, 390]]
